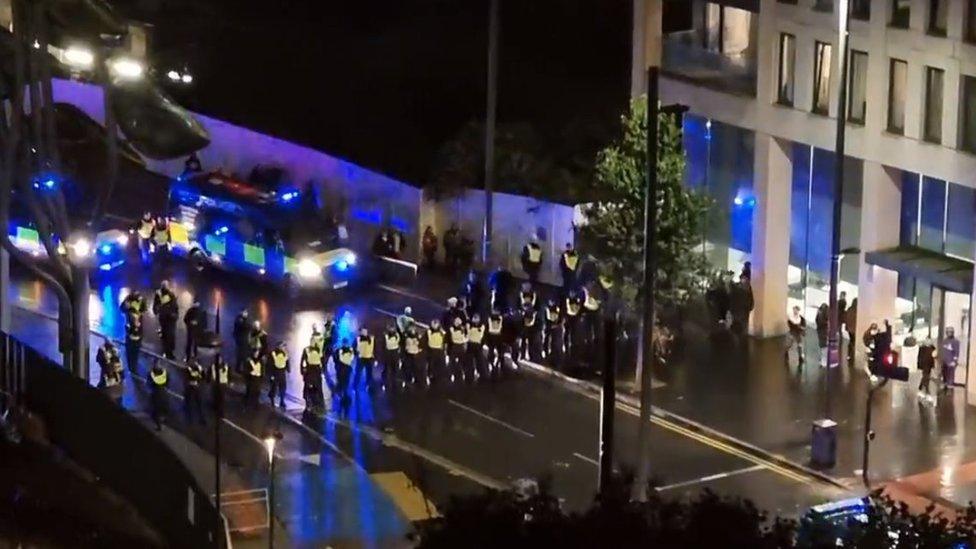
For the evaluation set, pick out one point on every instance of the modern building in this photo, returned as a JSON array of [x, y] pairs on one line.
[[762, 81]]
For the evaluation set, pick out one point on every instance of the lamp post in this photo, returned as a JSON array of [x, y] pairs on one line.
[[269, 443], [80, 251], [490, 118]]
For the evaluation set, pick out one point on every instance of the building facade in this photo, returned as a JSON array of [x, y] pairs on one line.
[[762, 82]]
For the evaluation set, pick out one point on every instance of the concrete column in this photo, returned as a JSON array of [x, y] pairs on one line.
[[971, 370], [877, 287], [772, 186], [646, 43]]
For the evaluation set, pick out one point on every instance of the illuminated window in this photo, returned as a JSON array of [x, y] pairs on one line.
[[933, 104], [857, 93], [787, 69], [821, 78], [897, 80]]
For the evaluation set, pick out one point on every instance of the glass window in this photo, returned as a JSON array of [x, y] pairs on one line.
[[821, 78], [787, 68], [908, 233], [933, 104], [857, 97], [968, 111], [901, 13], [933, 215], [823, 5], [937, 17], [861, 9], [961, 221], [970, 31], [897, 82]]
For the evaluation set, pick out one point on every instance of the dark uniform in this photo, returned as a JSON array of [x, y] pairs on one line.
[[133, 341], [257, 341], [569, 268], [365, 358], [532, 260], [590, 320], [413, 368], [195, 320], [278, 362], [495, 340], [111, 366], [458, 351], [311, 370], [553, 338], [572, 312], [343, 358], [134, 303], [253, 374], [192, 401], [528, 337], [242, 329], [391, 354], [436, 359], [158, 380], [476, 350], [167, 311], [220, 380], [528, 298], [328, 336]]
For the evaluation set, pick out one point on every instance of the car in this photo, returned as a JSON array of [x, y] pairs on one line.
[[277, 235], [109, 248]]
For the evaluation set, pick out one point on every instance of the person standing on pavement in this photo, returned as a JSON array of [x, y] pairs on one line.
[[343, 359], [572, 311], [926, 363], [452, 247], [950, 359], [823, 323], [159, 405], [528, 297], [257, 341], [532, 259], [167, 312], [252, 377], [195, 320], [329, 331], [741, 304], [144, 233], [111, 371], [842, 308], [391, 354], [528, 336], [161, 235], [365, 358], [495, 341], [405, 321], [436, 358], [500, 282], [553, 338], [134, 303], [590, 319], [569, 263], [474, 293], [458, 347], [428, 244], [870, 340], [311, 368], [133, 341], [192, 401], [413, 370], [850, 324], [454, 310], [797, 326], [476, 350], [242, 329], [220, 382], [279, 367]]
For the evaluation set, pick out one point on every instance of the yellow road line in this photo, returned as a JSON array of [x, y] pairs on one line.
[[406, 495]]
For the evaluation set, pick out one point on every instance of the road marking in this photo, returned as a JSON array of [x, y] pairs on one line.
[[710, 478], [487, 417], [411, 295], [394, 315], [406, 495], [587, 459]]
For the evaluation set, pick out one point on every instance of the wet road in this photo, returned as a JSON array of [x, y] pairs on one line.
[[446, 439]]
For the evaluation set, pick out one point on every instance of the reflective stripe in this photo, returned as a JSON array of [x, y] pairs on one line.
[[255, 367], [528, 321], [494, 326], [364, 346], [223, 375], [111, 380], [528, 298], [313, 356], [280, 359], [435, 339], [571, 260], [591, 303], [552, 314], [476, 333], [458, 336], [535, 254], [572, 307], [392, 341], [158, 379], [346, 356], [412, 345]]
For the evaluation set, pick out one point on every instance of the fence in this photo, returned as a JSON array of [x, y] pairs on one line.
[[113, 445]]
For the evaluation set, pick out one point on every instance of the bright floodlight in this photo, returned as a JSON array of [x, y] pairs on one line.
[[173, 75], [309, 269], [79, 57], [269, 444], [81, 247], [187, 78], [127, 68]]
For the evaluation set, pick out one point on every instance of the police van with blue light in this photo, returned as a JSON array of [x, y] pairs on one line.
[[271, 233]]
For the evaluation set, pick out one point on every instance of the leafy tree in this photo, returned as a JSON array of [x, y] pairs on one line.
[[614, 234]]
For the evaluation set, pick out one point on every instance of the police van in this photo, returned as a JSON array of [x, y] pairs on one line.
[[275, 234]]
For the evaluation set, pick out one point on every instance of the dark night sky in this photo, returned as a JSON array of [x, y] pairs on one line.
[[384, 83]]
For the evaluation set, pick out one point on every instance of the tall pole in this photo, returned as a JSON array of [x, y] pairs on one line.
[[271, 501], [608, 402], [490, 119], [218, 392], [648, 286]]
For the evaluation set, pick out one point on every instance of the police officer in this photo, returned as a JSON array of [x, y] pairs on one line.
[[458, 348], [455, 309], [317, 339], [279, 373], [311, 369], [195, 320], [528, 336], [569, 263], [495, 340], [436, 359], [257, 340], [329, 330], [134, 303], [554, 337], [220, 379], [532, 259], [343, 358], [413, 368], [111, 366], [590, 319], [144, 231], [167, 312], [242, 329], [476, 351], [158, 380], [474, 293], [391, 354], [254, 369], [365, 357], [192, 403], [133, 341], [572, 312], [161, 235], [528, 296]]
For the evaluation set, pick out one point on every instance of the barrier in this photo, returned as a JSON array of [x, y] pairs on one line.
[[113, 445]]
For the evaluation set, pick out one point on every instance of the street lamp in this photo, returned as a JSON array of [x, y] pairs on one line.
[[126, 68], [269, 443], [79, 57]]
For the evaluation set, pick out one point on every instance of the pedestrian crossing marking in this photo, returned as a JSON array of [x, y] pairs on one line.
[[406, 495]]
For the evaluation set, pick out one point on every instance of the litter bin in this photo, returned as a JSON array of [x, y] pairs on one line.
[[823, 448]]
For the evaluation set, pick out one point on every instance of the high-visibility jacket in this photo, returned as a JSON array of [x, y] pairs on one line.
[[435, 339], [313, 356], [572, 307], [255, 340], [528, 298], [534, 253], [571, 260], [159, 378], [364, 346], [255, 366], [552, 314], [133, 331], [392, 341], [221, 373], [495, 324], [111, 378], [194, 374], [279, 359], [590, 302], [317, 341], [412, 345], [476, 333], [161, 235], [163, 297], [459, 336], [345, 355], [528, 319], [145, 229]]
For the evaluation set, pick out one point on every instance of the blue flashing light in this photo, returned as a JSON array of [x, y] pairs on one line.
[[105, 266], [738, 201], [289, 196], [222, 230], [47, 184], [342, 265], [105, 249]]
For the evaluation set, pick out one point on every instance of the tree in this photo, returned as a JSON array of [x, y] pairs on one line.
[[613, 232]]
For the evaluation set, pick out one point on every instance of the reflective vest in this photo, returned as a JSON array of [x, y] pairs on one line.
[[392, 341], [528, 319], [364, 346], [528, 298], [133, 305], [591, 303], [279, 358], [458, 335], [145, 229], [195, 373], [164, 297], [158, 379], [161, 235], [112, 357], [476, 333], [223, 374], [112, 379], [255, 364], [572, 307], [605, 283], [535, 253], [412, 345], [133, 331], [571, 260], [317, 341], [495, 325], [346, 355], [313, 356], [552, 314], [255, 339], [435, 339]]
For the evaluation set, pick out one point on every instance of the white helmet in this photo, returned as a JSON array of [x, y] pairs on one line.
[[407, 311]]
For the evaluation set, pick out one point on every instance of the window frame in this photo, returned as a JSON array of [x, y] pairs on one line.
[[892, 63], [784, 38], [926, 113], [818, 48], [850, 88], [895, 21], [934, 9]]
